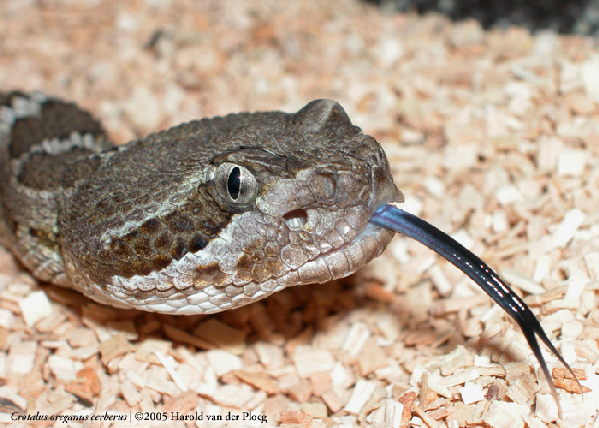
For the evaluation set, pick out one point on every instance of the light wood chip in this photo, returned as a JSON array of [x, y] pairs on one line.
[[505, 415], [517, 279], [81, 336], [184, 403], [522, 388], [236, 396], [61, 402], [100, 313], [287, 379], [332, 400], [316, 410], [376, 292], [270, 355], [457, 359], [321, 382], [260, 381], [356, 338], [300, 391], [146, 351], [407, 401], [441, 413], [149, 327], [492, 136], [11, 401], [547, 297], [114, 347], [426, 396], [85, 352], [6, 318], [21, 358], [223, 362], [221, 335], [136, 378], [372, 358], [130, 392], [360, 395], [435, 384], [203, 389], [123, 326], [308, 360], [261, 321], [546, 409], [577, 410], [533, 422], [295, 417], [63, 368], [184, 337], [568, 227], [157, 381], [450, 305], [471, 393], [169, 365], [3, 346], [571, 162], [34, 307], [388, 413], [496, 370], [429, 421], [87, 386], [188, 373], [130, 363], [460, 377], [514, 371]]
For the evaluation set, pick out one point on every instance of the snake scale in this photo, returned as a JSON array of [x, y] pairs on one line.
[[206, 216], [209, 215]]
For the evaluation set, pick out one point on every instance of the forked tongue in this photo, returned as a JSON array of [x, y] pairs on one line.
[[398, 220]]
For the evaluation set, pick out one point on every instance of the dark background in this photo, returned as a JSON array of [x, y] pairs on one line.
[[566, 17]]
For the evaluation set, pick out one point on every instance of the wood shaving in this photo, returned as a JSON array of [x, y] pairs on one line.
[[114, 347], [259, 380], [223, 362], [34, 307], [407, 401], [87, 387], [361, 394], [221, 335], [492, 136], [10, 401], [428, 420]]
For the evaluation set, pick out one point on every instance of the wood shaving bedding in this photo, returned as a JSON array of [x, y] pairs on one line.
[[492, 136]]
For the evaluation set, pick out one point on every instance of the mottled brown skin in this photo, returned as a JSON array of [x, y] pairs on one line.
[[154, 222]]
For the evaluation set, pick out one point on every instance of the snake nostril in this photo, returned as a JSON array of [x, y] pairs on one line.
[[296, 219]]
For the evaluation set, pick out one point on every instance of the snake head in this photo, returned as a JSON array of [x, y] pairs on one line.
[[306, 190], [218, 213]]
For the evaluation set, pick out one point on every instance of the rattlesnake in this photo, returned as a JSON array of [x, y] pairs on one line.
[[208, 215]]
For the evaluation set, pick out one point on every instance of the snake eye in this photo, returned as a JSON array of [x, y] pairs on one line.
[[236, 184]]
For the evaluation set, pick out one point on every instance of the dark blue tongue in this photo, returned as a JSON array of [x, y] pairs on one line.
[[393, 218]]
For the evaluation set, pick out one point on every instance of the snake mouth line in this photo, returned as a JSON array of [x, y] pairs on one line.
[[341, 261]]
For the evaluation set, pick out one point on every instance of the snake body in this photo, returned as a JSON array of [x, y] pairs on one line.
[[206, 216]]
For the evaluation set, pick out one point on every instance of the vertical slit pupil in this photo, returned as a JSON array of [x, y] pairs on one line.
[[234, 183]]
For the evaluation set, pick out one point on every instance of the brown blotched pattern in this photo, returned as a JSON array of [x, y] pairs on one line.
[[202, 217]]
